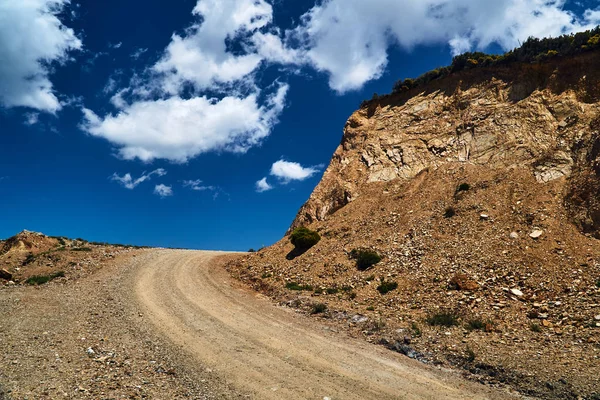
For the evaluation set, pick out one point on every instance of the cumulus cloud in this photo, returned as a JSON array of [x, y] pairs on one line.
[[201, 57], [31, 38], [178, 129], [349, 39], [164, 113], [288, 171], [163, 190], [263, 186], [129, 183]]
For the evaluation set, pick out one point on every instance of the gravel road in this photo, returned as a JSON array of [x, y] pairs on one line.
[[271, 352], [172, 324]]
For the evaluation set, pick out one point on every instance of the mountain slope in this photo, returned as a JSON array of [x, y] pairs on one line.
[[485, 181]]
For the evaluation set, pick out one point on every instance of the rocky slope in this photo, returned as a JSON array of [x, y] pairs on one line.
[[512, 259], [34, 258]]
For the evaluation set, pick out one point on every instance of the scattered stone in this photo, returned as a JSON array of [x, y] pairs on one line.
[[484, 217], [514, 235], [359, 319], [597, 317], [463, 282], [546, 323], [516, 292], [536, 234]]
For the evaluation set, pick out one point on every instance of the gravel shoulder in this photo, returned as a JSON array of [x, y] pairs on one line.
[[173, 324]]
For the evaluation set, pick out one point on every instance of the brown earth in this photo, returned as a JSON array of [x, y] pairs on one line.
[[172, 324], [511, 259]]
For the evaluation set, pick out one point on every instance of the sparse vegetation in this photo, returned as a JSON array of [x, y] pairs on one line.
[[251, 250], [365, 258], [598, 283], [41, 279], [479, 325], [443, 318], [298, 287], [449, 212], [416, 331], [352, 295], [303, 238], [266, 275], [318, 308], [463, 187], [370, 278], [386, 287], [532, 51], [470, 354], [29, 259], [370, 308], [535, 328], [81, 249]]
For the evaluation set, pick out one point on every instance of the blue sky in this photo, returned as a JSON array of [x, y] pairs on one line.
[[207, 123]]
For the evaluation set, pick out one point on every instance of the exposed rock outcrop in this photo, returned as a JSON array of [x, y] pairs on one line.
[[544, 117]]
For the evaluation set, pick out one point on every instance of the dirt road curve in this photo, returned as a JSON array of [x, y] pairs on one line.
[[270, 352]]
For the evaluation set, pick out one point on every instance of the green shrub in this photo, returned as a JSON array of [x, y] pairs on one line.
[[303, 238], [598, 283], [365, 259], [370, 308], [81, 249], [30, 258], [535, 328], [470, 354], [266, 275], [479, 325], [463, 187], [449, 212], [296, 286], [386, 287], [318, 308], [370, 278], [251, 250], [444, 318], [41, 279], [416, 331]]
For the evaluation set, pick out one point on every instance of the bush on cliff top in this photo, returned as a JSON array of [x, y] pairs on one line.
[[532, 51]]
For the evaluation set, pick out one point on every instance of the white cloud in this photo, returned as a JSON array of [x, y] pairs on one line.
[[178, 129], [201, 57], [164, 112], [32, 37], [263, 186], [116, 45], [290, 171], [128, 182], [349, 39], [31, 118], [138, 53], [163, 190], [197, 185]]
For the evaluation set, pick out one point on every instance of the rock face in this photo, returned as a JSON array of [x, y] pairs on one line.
[[545, 117]]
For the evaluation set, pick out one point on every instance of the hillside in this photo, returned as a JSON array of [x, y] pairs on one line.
[[33, 258], [480, 192]]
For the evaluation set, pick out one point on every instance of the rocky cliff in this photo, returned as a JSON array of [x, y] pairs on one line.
[[545, 117], [481, 193]]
